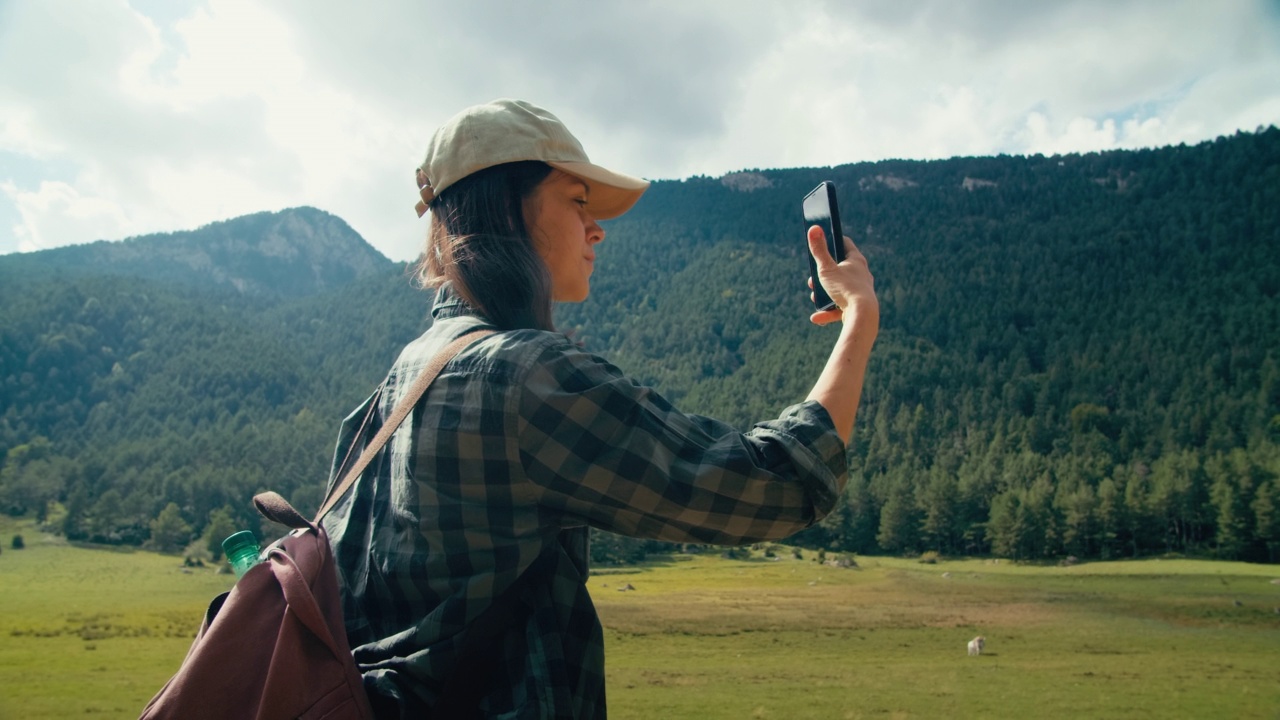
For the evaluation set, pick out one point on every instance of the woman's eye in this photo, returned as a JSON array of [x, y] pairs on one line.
[[581, 201]]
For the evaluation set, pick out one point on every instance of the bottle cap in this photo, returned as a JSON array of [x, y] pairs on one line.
[[241, 550], [239, 542]]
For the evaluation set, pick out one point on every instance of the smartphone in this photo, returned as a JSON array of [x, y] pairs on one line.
[[820, 209]]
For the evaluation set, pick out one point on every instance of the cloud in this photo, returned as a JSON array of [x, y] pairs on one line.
[[620, 74], [124, 121], [151, 148], [57, 210]]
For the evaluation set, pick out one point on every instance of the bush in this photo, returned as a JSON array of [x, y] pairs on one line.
[[197, 554], [18, 542], [610, 549], [844, 560], [930, 557]]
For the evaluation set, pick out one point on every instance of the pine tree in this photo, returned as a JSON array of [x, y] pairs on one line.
[[169, 531]]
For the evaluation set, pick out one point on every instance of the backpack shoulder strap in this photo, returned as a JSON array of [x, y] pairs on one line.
[[402, 410]]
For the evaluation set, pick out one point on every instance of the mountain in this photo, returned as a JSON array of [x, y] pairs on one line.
[[1079, 354], [291, 253]]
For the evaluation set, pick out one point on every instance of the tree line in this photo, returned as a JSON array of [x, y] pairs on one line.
[[1079, 355]]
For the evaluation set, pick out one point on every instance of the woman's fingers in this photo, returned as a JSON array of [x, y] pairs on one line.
[[826, 317]]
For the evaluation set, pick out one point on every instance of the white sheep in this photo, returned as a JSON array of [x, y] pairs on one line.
[[976, 645]]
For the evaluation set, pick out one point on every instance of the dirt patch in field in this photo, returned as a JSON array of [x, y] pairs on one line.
[[835, 607], [100, 626]]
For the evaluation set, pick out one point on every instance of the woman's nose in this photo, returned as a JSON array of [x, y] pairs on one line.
[[595, 233]]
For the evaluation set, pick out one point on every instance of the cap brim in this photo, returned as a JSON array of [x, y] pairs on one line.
[[612, 194]]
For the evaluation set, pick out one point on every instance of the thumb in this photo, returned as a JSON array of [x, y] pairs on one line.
[[818, 247]]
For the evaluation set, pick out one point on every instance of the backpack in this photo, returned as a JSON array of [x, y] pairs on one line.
[[275, 646]]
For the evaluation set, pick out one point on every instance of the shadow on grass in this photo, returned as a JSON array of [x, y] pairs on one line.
[[118, 549], [652, 562]]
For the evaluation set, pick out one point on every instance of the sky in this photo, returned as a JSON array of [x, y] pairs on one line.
[[127, 117]]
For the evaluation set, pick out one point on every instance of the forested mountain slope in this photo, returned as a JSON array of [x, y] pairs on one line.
[[128, 381], [296, 252], [1078, 353]]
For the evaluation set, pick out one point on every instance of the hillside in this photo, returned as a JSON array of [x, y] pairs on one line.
[[1079, 354], [296, 252]]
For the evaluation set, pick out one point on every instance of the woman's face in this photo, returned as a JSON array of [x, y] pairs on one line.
[[564, 233]]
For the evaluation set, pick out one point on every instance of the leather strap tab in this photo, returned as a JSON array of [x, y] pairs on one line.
[[275, 508]]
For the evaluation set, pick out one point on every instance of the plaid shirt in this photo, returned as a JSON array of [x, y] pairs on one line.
[[521, 444]]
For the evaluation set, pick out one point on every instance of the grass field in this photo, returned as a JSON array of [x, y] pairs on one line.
[[94, 633]]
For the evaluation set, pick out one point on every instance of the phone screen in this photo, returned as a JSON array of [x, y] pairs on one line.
[[820, 209]]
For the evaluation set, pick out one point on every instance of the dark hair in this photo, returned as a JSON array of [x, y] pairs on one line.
[[479, 243]]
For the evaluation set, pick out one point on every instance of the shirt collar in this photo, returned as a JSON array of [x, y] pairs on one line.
[[449, 304]]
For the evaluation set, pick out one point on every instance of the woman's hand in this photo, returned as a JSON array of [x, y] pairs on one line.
[[849, 283]]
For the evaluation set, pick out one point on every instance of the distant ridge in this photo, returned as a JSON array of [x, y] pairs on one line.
[[291, 253]]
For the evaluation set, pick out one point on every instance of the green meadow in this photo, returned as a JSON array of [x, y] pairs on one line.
[[94, 633]]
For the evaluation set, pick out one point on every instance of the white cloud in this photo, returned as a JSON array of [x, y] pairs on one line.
[[127, 122], [58, 210]]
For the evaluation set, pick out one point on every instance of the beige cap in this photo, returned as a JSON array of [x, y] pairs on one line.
[[505, 131]]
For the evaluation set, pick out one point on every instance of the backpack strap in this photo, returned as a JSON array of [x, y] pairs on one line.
[[402, 410]]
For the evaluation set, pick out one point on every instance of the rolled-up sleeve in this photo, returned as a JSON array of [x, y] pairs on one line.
[[607, 452]]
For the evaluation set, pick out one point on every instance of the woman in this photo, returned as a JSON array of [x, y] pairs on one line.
[[525, 441]]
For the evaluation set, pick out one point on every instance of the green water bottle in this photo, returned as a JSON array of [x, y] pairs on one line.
[[241, 550]]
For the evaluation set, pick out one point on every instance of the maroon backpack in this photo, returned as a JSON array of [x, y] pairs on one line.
[[275, 646]]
